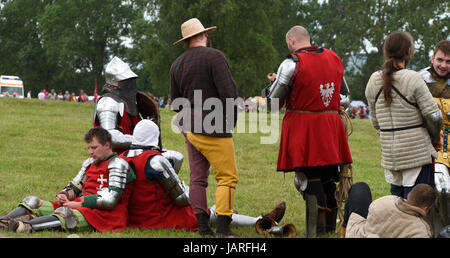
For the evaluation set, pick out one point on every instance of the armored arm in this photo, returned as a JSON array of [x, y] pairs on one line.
[[107, 113], [107, 198], [280, 87], [74, 188], [433, 123], [175, 158], [169, 178], [345, 91]]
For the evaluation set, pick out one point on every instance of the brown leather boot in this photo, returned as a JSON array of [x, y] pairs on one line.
[[278, 212]]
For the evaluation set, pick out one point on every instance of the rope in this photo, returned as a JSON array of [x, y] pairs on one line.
[[347, 121], [345, 173], [341, 194]]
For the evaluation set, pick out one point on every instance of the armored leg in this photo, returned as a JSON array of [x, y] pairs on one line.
[[264, 224], [287, 230], [16, 213], [25, 211], [238, 220], [37, 224], [311, 215]]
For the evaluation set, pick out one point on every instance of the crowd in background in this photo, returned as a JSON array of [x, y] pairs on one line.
[[360, 112], [84, 98], [67, 96]]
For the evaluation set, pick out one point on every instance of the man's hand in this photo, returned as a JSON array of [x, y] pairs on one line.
[[438, 146], [61, 199], [73, 205], [272, 76]]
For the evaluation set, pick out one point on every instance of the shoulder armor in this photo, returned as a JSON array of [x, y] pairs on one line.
[[118, 172], [111, 105], [161, 164], [427, 76], [79, 177], [281, 88], [286, 70]]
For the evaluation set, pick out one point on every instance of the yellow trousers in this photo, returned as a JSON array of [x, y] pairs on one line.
[[219, 151]]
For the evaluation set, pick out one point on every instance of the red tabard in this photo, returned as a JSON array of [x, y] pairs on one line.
[[101, 219], [126, 126], [314, 139], [150, 207]]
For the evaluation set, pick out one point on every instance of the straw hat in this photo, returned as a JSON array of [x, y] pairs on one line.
[[191, 28]]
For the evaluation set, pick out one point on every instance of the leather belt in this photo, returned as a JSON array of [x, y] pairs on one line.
[[312, 112], [401, 128]]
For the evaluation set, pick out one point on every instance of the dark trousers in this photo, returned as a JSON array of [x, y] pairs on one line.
[[359, 199], [321, 183], [426, 176]]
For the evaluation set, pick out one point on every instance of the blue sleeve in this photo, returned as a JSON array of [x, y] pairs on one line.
[[151, 173]]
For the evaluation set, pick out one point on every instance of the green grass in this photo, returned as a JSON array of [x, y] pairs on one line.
[[42, 150]]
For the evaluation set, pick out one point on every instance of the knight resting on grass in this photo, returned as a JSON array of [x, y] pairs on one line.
[[96, 199]]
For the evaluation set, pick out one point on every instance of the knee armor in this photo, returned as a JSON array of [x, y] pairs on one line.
[[32, 202]]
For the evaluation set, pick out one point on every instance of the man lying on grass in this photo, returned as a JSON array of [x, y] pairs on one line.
[[159, 198], [96, 199]]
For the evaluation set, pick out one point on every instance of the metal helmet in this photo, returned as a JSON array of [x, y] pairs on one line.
[[117, 70]]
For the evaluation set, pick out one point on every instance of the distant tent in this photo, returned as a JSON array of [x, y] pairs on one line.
[[357, 103]]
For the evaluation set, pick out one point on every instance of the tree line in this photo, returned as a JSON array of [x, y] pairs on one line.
[[65, 44]]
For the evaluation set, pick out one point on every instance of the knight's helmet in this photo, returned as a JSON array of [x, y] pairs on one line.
[[118, 71]]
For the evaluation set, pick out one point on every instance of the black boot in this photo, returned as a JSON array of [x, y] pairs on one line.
[[331, 220], [204, 229], [321, 222], [223, 227]]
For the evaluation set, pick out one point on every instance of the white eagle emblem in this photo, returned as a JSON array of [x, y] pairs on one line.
[[326, 92]]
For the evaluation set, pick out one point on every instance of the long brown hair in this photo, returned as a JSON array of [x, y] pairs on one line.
[[398, 46]]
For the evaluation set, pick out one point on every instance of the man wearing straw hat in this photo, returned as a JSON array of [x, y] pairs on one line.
[[202, 73]]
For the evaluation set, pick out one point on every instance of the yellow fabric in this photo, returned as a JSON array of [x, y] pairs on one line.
[[444, 106], [219, 151]]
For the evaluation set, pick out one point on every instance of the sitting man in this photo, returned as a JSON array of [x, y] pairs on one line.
[[159, 199], [389, 216], [96, 199]]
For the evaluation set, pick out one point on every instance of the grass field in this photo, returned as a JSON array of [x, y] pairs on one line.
[[42, 150]]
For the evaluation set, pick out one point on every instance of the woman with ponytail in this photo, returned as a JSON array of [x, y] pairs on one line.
[[407, 118]]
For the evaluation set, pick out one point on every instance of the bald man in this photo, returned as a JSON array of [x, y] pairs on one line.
[[313, 143]]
